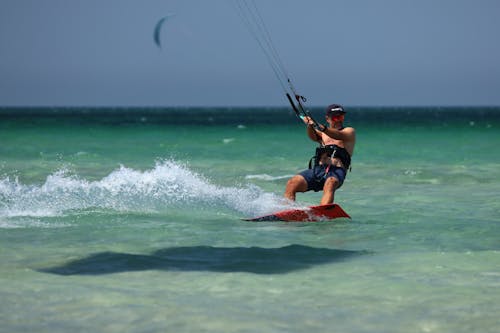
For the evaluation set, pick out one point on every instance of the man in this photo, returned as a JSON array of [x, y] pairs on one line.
[[332, 160]]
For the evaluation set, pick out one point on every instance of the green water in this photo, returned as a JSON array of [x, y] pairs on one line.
[[136, 227]]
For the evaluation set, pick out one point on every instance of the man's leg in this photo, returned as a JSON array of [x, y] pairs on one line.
[[295, 184], [331, 184]]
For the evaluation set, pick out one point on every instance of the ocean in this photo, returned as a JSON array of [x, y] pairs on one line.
[[129, 220]]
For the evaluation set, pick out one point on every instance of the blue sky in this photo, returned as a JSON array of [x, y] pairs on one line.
[[353, 52]]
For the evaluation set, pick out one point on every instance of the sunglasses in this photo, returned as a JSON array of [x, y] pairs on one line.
[[337, 117]]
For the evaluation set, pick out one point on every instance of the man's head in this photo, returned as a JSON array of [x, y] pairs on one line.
[[335, 114]]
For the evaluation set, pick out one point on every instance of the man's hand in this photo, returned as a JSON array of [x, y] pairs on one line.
[[308, 120], [314, 125]]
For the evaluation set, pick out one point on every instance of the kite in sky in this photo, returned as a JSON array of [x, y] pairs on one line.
[[158, 29]]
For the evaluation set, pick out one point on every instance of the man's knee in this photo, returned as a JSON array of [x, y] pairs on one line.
[[297, 183], [331, 184]]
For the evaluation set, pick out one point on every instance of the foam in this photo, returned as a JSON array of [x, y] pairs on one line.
[[170, 185], [266, 177]]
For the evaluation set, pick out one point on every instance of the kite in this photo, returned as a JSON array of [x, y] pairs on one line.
[[158, 29]]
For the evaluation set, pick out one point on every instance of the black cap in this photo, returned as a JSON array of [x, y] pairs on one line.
[[334, 109]]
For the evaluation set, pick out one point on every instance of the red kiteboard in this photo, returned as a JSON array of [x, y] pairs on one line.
[[309, 214]]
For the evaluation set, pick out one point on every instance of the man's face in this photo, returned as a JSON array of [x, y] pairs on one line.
[[335, 118]]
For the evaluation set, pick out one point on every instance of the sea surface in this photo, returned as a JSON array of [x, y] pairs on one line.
[[129, 220]]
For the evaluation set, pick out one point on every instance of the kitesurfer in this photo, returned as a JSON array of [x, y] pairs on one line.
[[332, 158]]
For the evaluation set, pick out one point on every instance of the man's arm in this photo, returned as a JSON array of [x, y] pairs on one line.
[[311, 132]]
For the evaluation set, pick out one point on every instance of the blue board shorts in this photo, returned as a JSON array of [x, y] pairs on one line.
[[317, 176]]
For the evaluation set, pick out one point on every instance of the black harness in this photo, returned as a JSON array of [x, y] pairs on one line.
[[332, 151]]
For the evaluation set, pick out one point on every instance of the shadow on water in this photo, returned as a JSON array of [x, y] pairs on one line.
[[207, 258]]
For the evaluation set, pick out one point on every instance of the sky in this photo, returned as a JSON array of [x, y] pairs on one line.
[[352, 52]]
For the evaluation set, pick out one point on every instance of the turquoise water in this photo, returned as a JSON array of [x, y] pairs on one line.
[[113, 226]]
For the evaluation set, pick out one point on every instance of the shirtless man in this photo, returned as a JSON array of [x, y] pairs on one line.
[[332, 160]]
